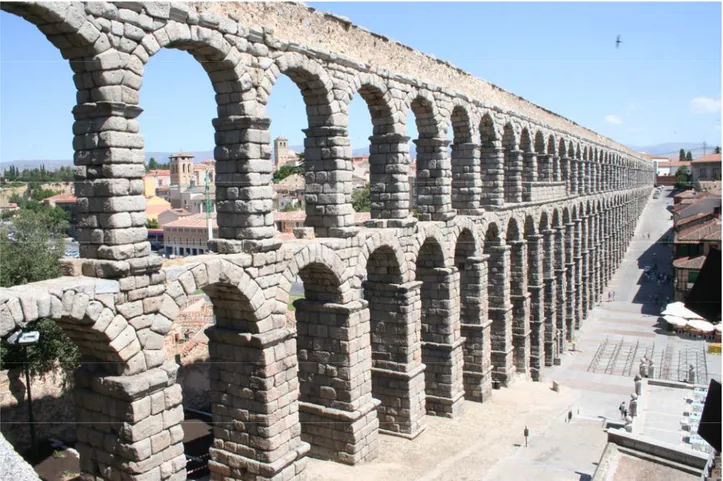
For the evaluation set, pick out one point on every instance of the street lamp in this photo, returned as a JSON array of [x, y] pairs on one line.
[[26, 339]]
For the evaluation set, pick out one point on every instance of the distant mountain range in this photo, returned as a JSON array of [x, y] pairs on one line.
[[667, 150]]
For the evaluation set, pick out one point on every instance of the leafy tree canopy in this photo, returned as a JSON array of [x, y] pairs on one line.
[[360, 199]]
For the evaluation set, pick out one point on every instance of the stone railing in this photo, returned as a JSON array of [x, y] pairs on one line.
[[543, 191]]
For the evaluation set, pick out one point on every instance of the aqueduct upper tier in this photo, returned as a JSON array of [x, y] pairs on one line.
[[517, 229]]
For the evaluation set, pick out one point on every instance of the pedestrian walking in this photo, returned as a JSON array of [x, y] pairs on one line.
[[621, 408], [527, 434], [569, 416], [613, 296]]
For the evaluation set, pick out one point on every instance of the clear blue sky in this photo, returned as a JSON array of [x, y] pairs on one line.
[[662, 85]]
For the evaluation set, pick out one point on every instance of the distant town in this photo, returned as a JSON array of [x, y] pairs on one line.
[[180, 197]]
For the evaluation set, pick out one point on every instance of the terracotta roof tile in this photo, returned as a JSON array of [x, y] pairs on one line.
[[62, 198], [708, 158]]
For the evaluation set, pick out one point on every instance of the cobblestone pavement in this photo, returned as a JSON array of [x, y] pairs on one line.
[[486, 442]]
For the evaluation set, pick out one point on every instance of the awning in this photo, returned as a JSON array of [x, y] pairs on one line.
[[703, 326], [678, 309], [675, 321]]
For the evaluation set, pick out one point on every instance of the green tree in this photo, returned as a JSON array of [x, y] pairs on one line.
[[33, 256], [681, 176], [717, 150], [285, 171], [152, 164], [292, 206], [688, 156], [360, 200], [681, 155], [152, 223]]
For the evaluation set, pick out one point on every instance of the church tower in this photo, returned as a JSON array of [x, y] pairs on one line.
[[181, 165], [281, 151]]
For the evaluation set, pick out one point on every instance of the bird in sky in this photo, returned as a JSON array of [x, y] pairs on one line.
[[618, 42]]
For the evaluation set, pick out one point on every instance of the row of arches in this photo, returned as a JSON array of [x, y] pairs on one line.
[[496, 157]]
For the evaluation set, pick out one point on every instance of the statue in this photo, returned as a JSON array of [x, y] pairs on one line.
[[651, 369], [633, 409], [691, 374], [638, 385]]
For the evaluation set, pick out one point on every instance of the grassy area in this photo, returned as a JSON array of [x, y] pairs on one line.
[[292, 298], [198, 292]]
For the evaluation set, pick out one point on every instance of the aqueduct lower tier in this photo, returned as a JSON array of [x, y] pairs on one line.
[[396, 324], [520, 222]]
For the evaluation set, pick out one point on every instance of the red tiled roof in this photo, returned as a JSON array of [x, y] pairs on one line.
[[62, 198], [699, 232], [689, 263], [195, 220], [708, 158], [159, 172], [687, 220], [295, 215]]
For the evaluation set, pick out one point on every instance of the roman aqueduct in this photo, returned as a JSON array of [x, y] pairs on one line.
[[515, 235]]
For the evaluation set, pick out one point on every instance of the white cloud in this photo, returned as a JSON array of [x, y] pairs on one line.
[[704, 105], [613, 119]]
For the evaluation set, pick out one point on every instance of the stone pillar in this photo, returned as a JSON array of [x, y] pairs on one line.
[[244, 201], [574, 176], [585, 268], [556, 169], [336, 409], [537, 309], [513, 176], [397, 371], [434, 180], [594, 188], [389, 178], [442, 341], [520, 298], [500, 313], [578, 308], [565, 165], [544, 165], [550, 296], [492, 176], [129, 427], [254, 392], [109, 166], [327, 192], [587, 177], [560, 271], [529, 170], [570, 287], [581, 177], [466, 179], [476, 326]]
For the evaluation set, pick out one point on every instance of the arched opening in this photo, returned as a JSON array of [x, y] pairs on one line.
[[529, 163], [560, 261], [499, 306], [466, 172], [550, 288], [553, 159], [519, 298], [512, 165], [535, 275], [336, 408], [388, 150], [441, 349], [395, 347], [473, 317], [543, 160], [492, 162], [433, 170], [329, 213]]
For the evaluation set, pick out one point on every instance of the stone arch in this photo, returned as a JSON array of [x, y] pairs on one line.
[[512, 164], [388, 149], [104, 336], [389, 241], [535, 290], [440, 329], [323, 261], [428, 231], [434, 176], [492, 160], [66, 26], [465, 164], [539, 144], [518, 295]]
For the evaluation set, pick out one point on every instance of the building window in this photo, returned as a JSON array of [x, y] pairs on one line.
[[703, 172]]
